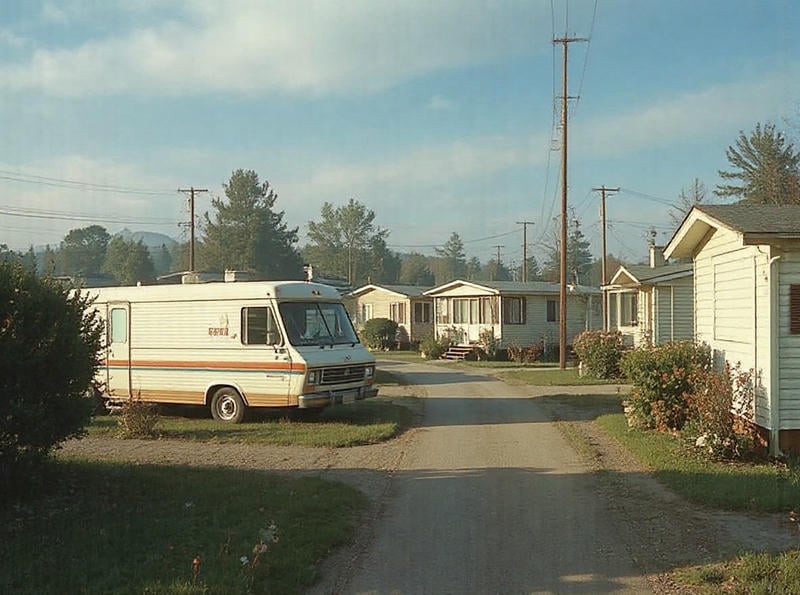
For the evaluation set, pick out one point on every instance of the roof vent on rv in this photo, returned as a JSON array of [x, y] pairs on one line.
[[232, 275]]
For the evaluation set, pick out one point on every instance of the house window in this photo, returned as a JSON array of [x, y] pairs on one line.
[[422, 312], [397, 312], [552, 311], [259, 327], [364, 313], [514, 310], [794, 309], [628, 309], [442, 316]]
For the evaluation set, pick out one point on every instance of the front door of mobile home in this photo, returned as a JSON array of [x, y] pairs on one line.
[[118, 354]]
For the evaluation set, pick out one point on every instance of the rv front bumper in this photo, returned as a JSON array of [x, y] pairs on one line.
[[336, 397]]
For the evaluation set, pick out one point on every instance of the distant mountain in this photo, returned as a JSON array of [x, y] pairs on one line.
[[151, 239]]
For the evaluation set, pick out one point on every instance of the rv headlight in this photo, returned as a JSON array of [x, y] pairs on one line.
[[312, 377], [369, 371]]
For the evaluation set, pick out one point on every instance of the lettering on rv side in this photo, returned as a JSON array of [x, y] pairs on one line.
[[221, 330]]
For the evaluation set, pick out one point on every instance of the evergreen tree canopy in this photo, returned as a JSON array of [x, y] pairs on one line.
[[766, 166], [247, 233], [83, 250]]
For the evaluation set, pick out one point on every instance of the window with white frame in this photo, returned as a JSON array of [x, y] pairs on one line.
[[514, 310], [629, 308], [552, 310], [422, 312], [397, 312], [364, 313]]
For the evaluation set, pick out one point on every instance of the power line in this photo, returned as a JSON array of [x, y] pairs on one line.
[[25, 178], [30, 213]]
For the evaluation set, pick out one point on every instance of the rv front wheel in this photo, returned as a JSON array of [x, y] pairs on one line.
[[227, 405]]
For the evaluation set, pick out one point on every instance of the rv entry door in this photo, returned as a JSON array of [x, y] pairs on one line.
[[118, 360]]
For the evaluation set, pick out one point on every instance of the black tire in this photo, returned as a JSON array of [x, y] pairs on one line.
[[227, 405]]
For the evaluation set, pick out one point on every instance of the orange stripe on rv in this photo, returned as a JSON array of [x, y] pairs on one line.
[[215, 365]]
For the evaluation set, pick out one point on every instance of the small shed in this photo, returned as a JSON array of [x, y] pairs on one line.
[[652, 304], [405, 304], [747, 302], [516, 313]]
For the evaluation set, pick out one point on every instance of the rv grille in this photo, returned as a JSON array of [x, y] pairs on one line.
[[343, 374]]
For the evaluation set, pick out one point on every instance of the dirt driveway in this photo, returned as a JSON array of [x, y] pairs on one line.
[[487, 495]]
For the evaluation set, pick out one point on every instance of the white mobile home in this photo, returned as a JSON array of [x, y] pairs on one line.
[[652, 304], [405, 304], [230, 346], [747, 302], [516, 313]]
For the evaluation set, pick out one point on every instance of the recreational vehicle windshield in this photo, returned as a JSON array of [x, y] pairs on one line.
[[232, 346]]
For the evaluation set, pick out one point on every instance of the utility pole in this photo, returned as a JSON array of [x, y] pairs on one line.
[[562, 330], [191, 192], [524, 225], [497, 262], [603, 271]]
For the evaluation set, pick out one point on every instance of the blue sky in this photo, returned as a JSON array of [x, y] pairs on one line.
[[438, 115]]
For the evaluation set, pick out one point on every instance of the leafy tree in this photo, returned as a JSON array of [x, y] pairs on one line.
[[128, 261], [384, 264], [49, 353], [83, 250], [415, 270], [452, 260], [474, 269], [689, 197], [495, 271], [247, 233], [766, 166], [345, 241]]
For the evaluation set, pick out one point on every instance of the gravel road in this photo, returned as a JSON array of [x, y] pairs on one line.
[[487, 495]]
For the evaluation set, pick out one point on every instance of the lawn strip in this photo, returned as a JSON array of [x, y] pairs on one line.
[[758, 487], [366, 422], [120, 528], [551, 377]]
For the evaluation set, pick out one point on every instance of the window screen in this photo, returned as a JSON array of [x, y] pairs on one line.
[[119, 325]]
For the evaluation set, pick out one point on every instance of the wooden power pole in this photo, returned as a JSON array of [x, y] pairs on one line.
[[191, 192], [603, 270], [562, 311], [524, 225]]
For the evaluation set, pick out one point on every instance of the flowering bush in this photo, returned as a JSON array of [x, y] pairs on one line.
[[600, 352], [662, 378]]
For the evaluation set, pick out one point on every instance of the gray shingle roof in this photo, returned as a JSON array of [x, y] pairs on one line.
[[757, 219], [643, 272], [528, 288]]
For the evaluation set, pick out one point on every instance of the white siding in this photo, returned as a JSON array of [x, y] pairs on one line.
[[683, 309], [789, 347], [732, 308]]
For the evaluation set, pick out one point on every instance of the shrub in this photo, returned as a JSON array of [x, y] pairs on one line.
[[722, 413], [527, 354], [380, 333], [488, 344], [600, 352], [662, 379], [49, 353], [433, 348], [138, 419]]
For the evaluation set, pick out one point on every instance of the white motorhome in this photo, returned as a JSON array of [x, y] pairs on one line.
[[231, 346]]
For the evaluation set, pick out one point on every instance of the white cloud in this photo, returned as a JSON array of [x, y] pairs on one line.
[[10, 39], [54, 14], [299, 47], [440, 103], [692, 116]]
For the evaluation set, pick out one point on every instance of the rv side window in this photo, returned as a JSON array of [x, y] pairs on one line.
[[119, 325], [259, 327]]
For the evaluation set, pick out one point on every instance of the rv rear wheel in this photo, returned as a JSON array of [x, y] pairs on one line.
[[227, 405]]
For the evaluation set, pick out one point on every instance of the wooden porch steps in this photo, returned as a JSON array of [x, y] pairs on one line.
[[458, 352]]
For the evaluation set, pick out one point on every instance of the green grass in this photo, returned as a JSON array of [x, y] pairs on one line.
[[748, 574], [762, 487], [364, 422], [400, 356], [116, 528], [550, 377]]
